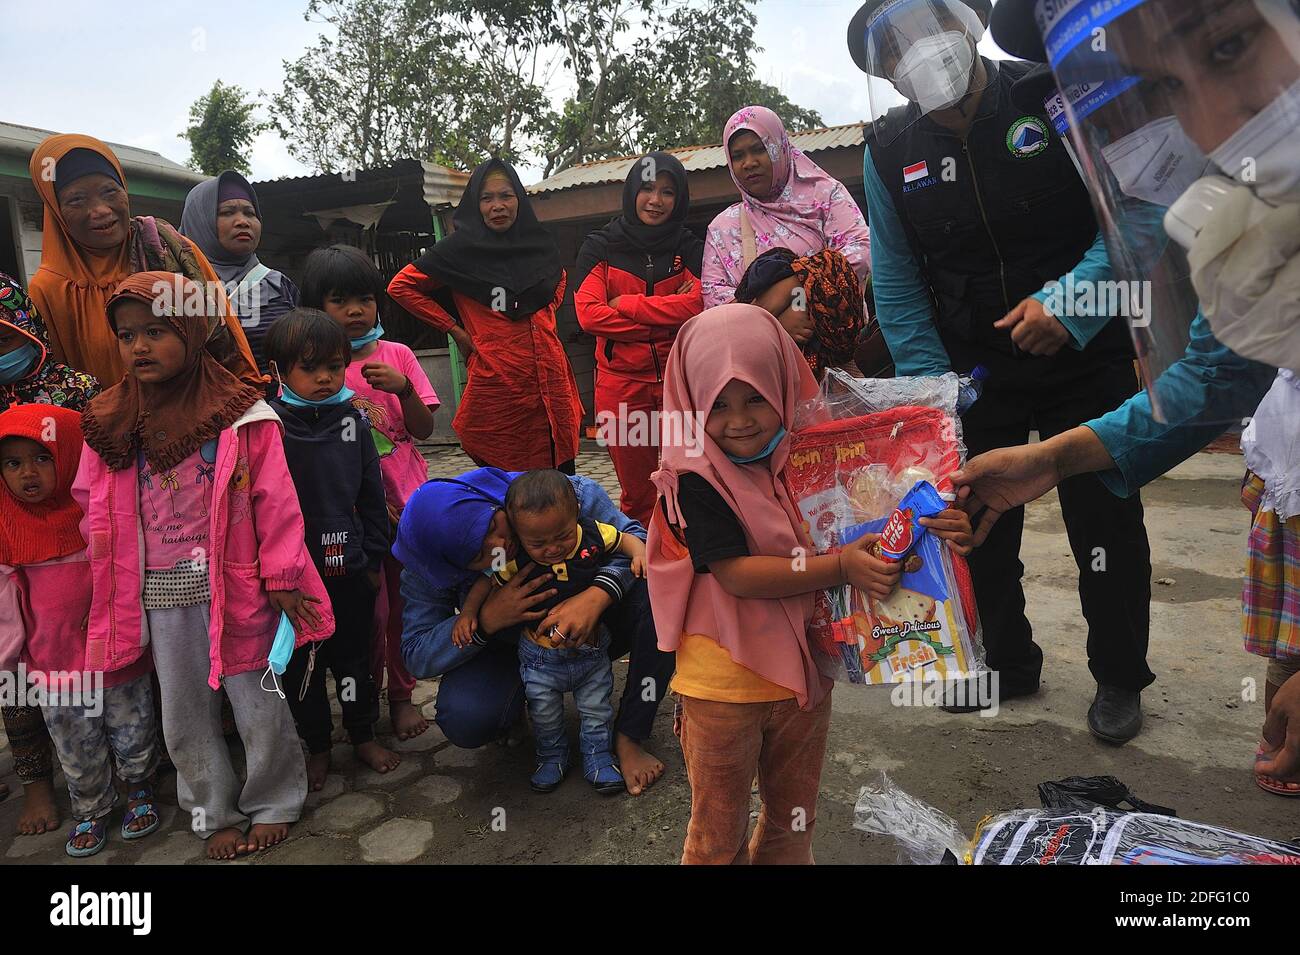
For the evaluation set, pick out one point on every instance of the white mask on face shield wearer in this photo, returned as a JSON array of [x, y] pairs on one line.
[[1264, 153], [1156, 163], [934, 73], [1244, 257]]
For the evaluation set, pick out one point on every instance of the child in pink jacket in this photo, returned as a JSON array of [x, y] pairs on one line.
[[197, 549], [96, 720]]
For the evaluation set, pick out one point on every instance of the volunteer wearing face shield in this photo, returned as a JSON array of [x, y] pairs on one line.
[[1226, 71], [979, 224]]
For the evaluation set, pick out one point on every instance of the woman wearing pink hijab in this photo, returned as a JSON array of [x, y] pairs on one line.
[[802, 227], [732, 581]]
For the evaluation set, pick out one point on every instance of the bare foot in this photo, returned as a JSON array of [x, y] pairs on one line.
[[408, 721], [225, 843], [263, 835], [640, 768], [318, 767], [39, 812], [378, 758]]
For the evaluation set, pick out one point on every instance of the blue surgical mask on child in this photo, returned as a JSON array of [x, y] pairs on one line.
[[289, 397], [281, 650], [771, 446], [373, 335], [18, 364]]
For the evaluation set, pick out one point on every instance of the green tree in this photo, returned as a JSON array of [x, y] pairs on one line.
[[430, 79], [221, 130], [690, 67]]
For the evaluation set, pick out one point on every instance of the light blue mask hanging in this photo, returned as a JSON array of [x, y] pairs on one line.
[[771, 446], [373, 335], [290, 397], [281, 650], [18, 364]]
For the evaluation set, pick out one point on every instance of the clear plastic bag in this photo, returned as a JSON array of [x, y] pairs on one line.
[[1098, 836], [845, 396], [847, 475]]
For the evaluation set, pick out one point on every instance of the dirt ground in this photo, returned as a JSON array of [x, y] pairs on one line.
[[447, 805]]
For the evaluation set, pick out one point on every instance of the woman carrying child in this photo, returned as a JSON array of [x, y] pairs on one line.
[[196, 551], [393, 392], [733, 583]]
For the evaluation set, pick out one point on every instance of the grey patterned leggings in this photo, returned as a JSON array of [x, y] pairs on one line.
[[124, 731]]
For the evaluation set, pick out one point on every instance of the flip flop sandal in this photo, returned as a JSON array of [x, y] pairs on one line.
[[142, 810], [1271, 785], [94, 827]]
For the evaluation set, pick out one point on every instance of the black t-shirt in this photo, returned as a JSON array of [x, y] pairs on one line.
[[712, 531]]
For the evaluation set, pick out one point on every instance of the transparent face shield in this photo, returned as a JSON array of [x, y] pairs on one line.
[[923, 53], [1164, 100]]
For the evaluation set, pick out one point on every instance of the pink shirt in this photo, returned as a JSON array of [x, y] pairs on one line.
[[174, 506], [55, 607], [403, 467]]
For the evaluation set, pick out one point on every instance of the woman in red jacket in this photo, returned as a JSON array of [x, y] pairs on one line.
[[637, 282], [497, 281]]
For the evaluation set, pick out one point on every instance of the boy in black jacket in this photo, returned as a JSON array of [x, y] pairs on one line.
[[335, 469]]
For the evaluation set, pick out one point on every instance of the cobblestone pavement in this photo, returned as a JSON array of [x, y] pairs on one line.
[[451, 805]]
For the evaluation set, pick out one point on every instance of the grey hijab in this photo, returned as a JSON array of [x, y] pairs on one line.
[[199, 225]]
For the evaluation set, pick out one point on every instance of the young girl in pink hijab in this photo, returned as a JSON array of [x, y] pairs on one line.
[[732, 580], [786, 201]]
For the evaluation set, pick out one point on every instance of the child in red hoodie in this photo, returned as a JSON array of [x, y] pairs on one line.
[[96, 720]]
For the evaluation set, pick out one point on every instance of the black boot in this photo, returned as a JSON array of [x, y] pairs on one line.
[[1116, 714]]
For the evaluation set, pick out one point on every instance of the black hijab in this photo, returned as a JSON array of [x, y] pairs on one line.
[[476, 262], [626, 241]]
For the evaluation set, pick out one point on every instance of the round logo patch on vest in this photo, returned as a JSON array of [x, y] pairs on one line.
[[1027, 137]]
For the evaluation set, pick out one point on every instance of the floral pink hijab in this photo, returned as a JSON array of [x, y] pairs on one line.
[[807, 211], [768, 636]]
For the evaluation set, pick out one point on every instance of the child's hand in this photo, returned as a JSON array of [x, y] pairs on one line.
[[298, 606], [384, 377], [462, 633], [638, 566], [867, 572], [953, 526]]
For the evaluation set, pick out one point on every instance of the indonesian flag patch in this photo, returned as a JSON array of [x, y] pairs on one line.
[[915, 171]]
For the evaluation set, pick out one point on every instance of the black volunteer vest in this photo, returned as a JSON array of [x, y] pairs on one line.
[[991, 220]]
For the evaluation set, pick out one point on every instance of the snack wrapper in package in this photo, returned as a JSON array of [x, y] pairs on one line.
[[848, 477], [1041, 837]]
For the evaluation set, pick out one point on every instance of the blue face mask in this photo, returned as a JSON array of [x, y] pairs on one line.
[[281, 650], [373, 335], [342, 396], [18, 364], [771, 446]]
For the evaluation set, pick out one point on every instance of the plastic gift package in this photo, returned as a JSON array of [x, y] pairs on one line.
[[866, 473], [1098, 836]]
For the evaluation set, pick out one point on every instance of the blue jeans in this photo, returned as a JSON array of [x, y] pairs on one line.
[[585, 672]]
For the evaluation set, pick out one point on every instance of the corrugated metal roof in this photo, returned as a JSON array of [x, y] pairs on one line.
[[693, 158], [442, 184], [24, 139]]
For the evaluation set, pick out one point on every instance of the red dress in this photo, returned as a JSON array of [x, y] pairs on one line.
[[520, 409]]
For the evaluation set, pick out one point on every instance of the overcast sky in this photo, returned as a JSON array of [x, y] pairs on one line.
[[129, 77]]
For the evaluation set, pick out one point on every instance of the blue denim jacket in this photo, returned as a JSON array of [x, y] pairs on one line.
[[431, 612]]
